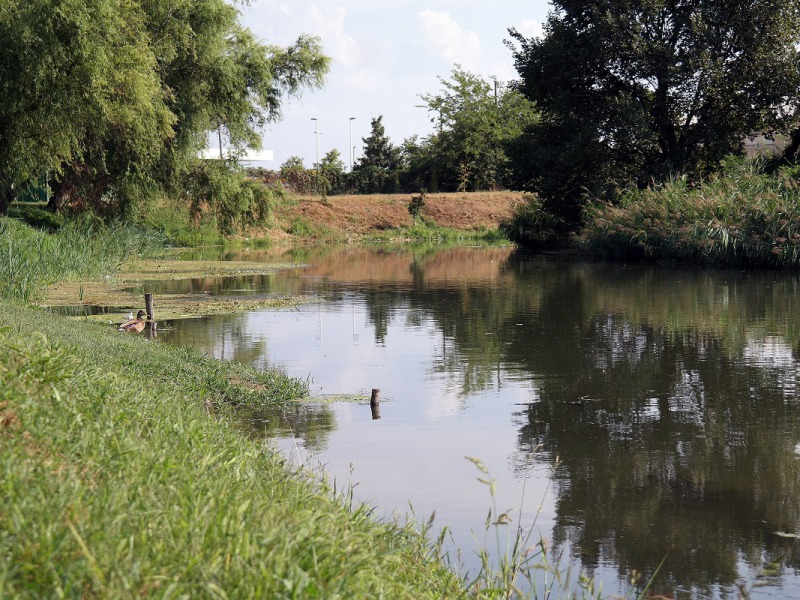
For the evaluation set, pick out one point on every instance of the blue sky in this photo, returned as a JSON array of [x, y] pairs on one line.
[[385, 54]]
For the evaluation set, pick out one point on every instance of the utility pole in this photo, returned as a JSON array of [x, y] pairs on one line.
[[316, 131]]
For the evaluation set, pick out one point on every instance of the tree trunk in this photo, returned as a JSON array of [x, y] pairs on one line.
[[789, 154], [6, 198], [63, 192]]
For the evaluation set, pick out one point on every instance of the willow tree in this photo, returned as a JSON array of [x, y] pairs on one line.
[[116, 98], [636, 91]]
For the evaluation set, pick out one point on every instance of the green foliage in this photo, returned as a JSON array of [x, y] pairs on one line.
[[300, 227], [475, 120], [378, 150], [634, 92], [77, 79], [534, 226], [235, 201], [117, 98], [422, 232], [82, 248], [174, 219], [330, 174], [416, 205], [295, 177], [741, 217], [372, 179]]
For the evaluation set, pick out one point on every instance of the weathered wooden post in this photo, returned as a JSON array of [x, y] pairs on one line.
[[375, 404], [152, 326], [148, 306]]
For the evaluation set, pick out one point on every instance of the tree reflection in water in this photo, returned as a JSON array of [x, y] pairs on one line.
[[670, 396]]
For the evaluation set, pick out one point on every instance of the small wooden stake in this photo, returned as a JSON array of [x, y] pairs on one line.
[[148, 305], [375, 404]]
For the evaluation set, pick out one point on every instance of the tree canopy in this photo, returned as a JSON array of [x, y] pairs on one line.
[[637, 91], [116, 98], [476, 119]]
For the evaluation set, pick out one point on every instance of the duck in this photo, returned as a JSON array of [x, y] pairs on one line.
[[134, 325]]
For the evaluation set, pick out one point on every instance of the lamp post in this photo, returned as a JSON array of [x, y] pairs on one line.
[[351, 143], [316, 131]]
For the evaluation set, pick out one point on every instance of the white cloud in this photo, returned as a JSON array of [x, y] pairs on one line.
[[454, 43], [531, 28], [282, 23], [328, 23]]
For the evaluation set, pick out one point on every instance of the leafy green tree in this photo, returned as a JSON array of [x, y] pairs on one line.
[[632, 92], [332, 163], [77, 79], [476, 119], [378, 171], [294, 176], [292, 163], [331, 173], [117, 98], [420, 165]]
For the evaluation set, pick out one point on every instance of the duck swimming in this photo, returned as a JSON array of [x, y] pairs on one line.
[[134, 325]]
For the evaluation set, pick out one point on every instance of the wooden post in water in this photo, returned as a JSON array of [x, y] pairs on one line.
[[148, 306], [152, 326], [375, 404]]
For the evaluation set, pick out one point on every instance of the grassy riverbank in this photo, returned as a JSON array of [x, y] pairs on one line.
[[121, 476], [117, 481]]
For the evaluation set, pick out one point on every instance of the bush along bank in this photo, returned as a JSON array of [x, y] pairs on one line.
[[117, 482], [742, 217]]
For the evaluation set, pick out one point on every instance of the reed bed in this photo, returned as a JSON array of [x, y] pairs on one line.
[[31, 259], [742, 218]]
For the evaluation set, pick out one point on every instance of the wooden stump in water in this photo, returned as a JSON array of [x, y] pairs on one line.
[[375, 404], [148, 306], [152, 326]]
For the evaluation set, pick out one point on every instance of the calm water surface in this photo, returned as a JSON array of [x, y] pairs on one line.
[[630, 412]]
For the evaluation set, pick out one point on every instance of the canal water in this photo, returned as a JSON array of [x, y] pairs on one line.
[[627, 415]]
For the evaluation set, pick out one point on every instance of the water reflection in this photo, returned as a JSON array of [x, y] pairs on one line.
[[671, 398], [308, 423]]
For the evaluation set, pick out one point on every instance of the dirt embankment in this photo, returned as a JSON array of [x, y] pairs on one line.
[[355, 216]]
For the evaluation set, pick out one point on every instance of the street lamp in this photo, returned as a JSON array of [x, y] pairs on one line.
[[316, 131], [351, 143]]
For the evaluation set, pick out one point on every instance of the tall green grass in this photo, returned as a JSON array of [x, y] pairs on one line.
[[118, 483], [741, 217], [422, 231], [32, 258]]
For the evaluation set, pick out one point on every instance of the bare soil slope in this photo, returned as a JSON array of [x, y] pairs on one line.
[[354, 216]]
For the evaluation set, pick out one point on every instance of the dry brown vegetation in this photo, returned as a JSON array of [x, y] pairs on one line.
[[361, 215]]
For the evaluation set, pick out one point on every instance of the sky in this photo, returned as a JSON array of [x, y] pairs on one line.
[[385, 54]]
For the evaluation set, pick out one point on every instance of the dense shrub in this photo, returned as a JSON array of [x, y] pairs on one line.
[[740, 217]]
